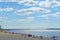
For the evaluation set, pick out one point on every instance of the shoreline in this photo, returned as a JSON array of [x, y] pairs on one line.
[[9, 36], [4, 35]]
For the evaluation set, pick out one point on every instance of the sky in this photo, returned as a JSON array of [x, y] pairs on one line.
[[29, 14]]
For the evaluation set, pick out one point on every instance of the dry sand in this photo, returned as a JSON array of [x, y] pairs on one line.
[[8, 36]]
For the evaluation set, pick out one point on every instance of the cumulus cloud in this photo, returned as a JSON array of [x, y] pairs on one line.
[[28, 2], [48, 3], [24, 2], [57, 15], [6, 9], [8, 0], [31, 10]]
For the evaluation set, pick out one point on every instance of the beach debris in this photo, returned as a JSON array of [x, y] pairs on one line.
[[29, 35], [41, 37]]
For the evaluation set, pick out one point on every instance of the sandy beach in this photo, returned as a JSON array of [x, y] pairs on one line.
[[9, 36]]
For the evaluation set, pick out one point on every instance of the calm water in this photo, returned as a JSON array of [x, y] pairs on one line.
[[47, 33]]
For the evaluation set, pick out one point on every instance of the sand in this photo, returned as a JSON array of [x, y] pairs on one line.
[[9, 36]]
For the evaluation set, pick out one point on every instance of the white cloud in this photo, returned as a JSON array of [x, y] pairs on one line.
[[47, 15], [24, 20], [48, 3], [28, 2], [57, 15], [8, 0], [28, 19], [49, 24], [6, 9], [7, 20], [31, 10], [24, 2], [4, 19]]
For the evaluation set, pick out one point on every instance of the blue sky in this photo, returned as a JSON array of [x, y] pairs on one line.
[[29, 14]]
